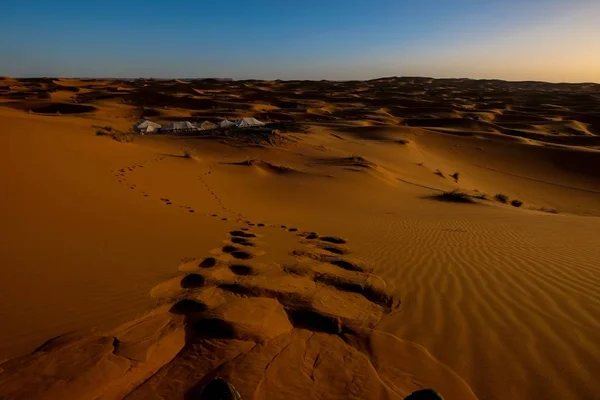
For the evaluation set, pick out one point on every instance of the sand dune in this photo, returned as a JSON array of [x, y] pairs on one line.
[[310, 262]]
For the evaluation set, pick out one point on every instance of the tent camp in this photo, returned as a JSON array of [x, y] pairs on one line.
[[180, 126], [146, 126], [207, 126], [248, 122], [226, 124]]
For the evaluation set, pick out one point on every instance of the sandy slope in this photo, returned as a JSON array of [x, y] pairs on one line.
[[481, 299]]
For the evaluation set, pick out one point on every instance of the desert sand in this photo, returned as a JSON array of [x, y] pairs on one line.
[[387, 236]]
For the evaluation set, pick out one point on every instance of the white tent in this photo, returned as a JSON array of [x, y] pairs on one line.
[[146, 126], [248, 122], [206, 126], [180, 126], [226, 124]]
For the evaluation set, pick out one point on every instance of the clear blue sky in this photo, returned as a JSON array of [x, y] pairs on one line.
[[555, 40]]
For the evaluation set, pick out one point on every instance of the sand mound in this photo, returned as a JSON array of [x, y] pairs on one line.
[[354, 161], [266, 166]]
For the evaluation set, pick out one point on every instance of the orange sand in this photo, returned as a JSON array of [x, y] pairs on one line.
[[477, 299]]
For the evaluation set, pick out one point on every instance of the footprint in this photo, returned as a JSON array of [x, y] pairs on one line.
[[242, 255], [208, 262], [229, 249], [192, 281], [333, 239], [335, 250], [293, 230], [347, 265], [242, 241], [243, 270], [242, 234]]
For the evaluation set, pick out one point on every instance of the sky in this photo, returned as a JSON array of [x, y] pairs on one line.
[[549, 40]]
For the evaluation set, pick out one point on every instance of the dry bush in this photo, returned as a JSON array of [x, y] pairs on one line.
[[502, 198], [455, 196], [516, 203], [188, 152], [455, 176]]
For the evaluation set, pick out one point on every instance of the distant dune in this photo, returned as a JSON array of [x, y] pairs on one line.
[[376, 238]]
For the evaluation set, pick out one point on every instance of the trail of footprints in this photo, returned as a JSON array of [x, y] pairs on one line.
[[216, 197], [122, 177], [322, 290]]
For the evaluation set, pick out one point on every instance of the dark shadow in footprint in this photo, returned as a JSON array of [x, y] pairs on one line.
[[312, 235], [229, 249], [187, 306], [191, 211], [260, 225], [239, 269], [242, 234], [347, 265], [333, 239], [212, 328], [283, 226], [208, 262], [192, 281], [223, 219], [242, 241], [242, 255], [309, 319], [293, 230], [335, 250]]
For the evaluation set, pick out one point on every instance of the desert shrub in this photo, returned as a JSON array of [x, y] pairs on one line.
[[188, 152], [439, 173], [455, 196], [502, 198], [455, 176], [516, 203]]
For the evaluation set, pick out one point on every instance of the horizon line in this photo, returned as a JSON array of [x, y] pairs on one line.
[[304, 80]]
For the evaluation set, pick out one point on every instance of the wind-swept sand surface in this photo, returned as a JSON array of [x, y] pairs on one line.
[[388, 236]]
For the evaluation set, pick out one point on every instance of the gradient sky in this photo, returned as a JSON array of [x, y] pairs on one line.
[[551, 40]]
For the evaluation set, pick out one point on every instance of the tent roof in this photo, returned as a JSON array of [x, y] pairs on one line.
[[248, 121], [225, 123], [145, 124], [180, 125]]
